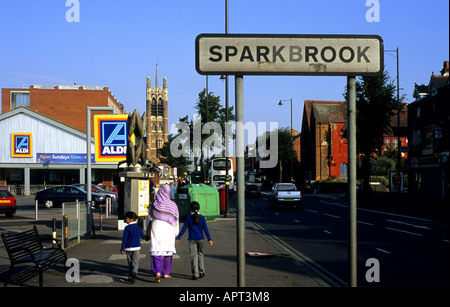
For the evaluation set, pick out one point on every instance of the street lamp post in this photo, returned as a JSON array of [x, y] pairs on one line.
[[292, 139]]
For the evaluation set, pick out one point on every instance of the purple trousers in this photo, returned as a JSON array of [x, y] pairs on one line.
[[161, 265]]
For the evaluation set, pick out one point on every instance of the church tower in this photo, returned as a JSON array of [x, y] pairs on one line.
[[157, 117]]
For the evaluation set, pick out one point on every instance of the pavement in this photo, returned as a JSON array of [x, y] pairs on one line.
[[102, 265]]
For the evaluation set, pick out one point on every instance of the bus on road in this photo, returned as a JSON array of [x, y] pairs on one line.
[[218, 172]]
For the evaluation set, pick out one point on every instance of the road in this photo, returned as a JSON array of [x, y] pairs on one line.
[[403, 250], [410, 250]]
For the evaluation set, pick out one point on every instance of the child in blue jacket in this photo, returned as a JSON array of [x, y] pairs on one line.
[[196, 223], [131, 244]]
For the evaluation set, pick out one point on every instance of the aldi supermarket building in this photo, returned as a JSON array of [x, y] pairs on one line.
[[38, 152], [43, 137]]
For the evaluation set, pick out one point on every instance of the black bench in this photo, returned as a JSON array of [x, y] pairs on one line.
[[26, 247]]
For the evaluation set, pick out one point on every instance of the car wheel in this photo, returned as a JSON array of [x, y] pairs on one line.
[[48, 204]]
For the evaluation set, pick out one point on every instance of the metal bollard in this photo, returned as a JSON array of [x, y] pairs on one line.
[[101, 218], [107, 207], [66, 230], [36, 211], [54, 233]]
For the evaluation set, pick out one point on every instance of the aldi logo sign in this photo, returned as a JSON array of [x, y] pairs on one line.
[[111, 137], [21, 145]]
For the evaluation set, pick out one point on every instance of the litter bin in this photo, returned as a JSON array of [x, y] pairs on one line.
[[206, 196]]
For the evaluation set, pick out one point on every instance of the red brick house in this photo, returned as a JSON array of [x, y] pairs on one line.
[[323, 150]]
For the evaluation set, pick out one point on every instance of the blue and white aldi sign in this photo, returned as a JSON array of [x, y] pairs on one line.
[[21, 145], [111, 137]]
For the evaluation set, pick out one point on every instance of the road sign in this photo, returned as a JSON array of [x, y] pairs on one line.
[[259, 54], [111, 137]]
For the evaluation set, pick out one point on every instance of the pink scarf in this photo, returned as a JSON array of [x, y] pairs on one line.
[[163, 208]]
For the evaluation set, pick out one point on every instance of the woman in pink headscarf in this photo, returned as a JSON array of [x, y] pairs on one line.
[[163, 219]]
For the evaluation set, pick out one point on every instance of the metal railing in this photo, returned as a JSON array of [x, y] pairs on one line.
[[77, 221]]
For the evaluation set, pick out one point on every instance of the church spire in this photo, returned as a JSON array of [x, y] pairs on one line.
[[156, 79]]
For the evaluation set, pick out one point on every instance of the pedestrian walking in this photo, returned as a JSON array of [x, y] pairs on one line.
[[196, 226], [131, 244], [173, 191], [162, 228]]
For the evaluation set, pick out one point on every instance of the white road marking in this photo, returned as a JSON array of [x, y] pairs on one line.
[[399, 230], [313, 211], [331, 215], [365, 223], [408, 224], [382, 250]]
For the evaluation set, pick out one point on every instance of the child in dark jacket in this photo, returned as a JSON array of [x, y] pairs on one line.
[[131, 244], [196, 223]]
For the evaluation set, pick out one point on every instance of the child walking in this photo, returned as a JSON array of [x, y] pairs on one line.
[[196, 223], [131, 244]]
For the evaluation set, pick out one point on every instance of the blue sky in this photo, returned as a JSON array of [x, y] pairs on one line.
[[118, 43]]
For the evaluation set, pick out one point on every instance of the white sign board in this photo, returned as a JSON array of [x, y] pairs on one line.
[[251, 54]]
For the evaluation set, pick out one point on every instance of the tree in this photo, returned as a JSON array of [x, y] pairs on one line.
[[181, 163], [376, 102], [210, 111], [281, 173]]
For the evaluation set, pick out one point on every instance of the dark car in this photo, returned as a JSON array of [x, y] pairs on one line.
[[55, 196], [96, 189], [8, 203], [252, 190]]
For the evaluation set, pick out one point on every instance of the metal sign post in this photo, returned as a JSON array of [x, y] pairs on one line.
[[88, 146], [240, 165], [267, 54], [351, 92]]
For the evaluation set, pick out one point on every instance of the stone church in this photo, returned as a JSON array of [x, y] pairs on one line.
[[157, 123]]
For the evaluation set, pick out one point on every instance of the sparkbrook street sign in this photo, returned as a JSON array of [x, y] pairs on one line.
[[254, 54]]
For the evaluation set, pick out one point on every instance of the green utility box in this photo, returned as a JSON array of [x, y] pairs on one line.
[[206, 196]]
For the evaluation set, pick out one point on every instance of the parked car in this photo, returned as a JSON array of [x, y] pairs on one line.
[[285, 194], [108, 188], [55, 196], [252, 190], [95, 189], [8, 203]]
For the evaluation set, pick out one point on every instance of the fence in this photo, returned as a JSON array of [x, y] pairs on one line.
[[19, 189], [77, 221]]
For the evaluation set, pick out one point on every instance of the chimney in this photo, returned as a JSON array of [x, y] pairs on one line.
[[444, 71]]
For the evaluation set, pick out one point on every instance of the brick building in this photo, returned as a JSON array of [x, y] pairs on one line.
[[323, 150], [429, 133], [64, 103]]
